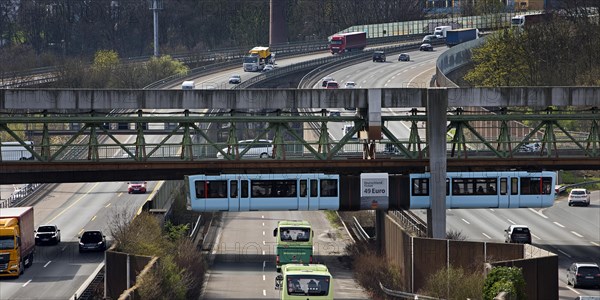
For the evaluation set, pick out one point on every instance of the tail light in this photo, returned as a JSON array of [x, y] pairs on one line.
[[310, 261]]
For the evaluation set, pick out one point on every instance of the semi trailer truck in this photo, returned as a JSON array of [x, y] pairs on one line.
[[348, 42], [458, 36], [17, 240]]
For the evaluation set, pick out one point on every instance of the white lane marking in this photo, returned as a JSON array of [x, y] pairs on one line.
[[491, 209], [264, 277], [262, 216], [511, 222], [466, 221], [574, 290], [539, 213], [535, 236], [418, 75], [487, 236], [263, 252], [559, 225], [577, 234], [264, 292], [595, 244], [264, 243], [93, 218], [72, 204], [565, 253], [107, 205], [47, 263], [263, 223], [26, 283], [263, 232]]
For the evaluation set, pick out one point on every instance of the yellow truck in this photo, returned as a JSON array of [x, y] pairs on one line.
[[304, 281], [17, 240], [257, 59]]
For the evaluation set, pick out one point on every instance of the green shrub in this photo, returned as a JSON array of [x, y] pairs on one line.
[[504, 279], [454, 283]]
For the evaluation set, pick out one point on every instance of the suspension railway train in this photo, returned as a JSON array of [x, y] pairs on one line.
[[316, 191]]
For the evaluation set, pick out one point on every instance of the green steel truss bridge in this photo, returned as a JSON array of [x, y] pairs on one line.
[[200, 131]]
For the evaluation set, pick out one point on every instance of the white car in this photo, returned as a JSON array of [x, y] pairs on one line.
[[579, 197], [350, 85], [235, 79], [268, 67], [258, 149]]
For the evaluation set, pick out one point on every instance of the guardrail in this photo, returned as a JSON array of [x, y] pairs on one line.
[[410, 222], [359, 231], [404, 295]]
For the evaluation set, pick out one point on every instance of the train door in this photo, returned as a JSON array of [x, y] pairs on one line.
[[313, 194], [234, 195], [503, 193], [244, 199], [303, 203], [513, 195]]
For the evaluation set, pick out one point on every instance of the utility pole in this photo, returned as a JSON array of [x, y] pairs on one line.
[[155, 6]]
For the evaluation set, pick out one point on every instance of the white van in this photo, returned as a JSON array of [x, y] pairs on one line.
[[187, 85], [15, 151]]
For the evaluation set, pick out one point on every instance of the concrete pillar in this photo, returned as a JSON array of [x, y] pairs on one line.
[[437, 103], [277, 24]]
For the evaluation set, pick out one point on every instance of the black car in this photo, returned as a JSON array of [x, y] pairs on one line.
[[426, 47], [403, 57], [47, 234], [379, 56], [92, 240]]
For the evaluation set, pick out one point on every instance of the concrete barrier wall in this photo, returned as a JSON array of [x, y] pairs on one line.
[[453, 59]]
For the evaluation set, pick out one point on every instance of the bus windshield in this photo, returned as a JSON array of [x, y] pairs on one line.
[[295, 234]]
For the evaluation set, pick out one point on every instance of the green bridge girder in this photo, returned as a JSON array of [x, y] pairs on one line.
[[296, 136]]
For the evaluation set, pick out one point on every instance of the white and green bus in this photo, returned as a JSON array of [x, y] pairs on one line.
[[304, 281], [294, 243]]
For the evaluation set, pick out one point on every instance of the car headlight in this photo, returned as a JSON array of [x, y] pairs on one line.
[[14, 266], [81, 244]]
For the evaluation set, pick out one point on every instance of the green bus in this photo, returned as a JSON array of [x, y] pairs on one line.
[[304, 281], [294, 243]]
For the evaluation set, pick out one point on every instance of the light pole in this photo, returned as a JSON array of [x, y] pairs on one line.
[[155, 6]]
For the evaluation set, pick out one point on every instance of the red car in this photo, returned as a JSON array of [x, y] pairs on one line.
[[136, 187]]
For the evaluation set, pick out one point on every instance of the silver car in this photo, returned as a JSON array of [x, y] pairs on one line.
[[258, 149]]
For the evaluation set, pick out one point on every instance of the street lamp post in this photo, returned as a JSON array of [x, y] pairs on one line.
[[155, 6]]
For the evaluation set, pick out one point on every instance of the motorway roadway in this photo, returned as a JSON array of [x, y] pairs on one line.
[[59, 271]]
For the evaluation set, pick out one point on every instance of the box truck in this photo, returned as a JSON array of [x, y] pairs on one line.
[[17, 240]]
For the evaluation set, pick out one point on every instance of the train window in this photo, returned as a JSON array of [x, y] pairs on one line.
[[274, 188], [514, 186], [329, 188], [420, 187], [244, 188], [447, 187], [233, 189], [211, 189], [303, 189], [314, 188], [536, 185], [503, 186], [547, 185]]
